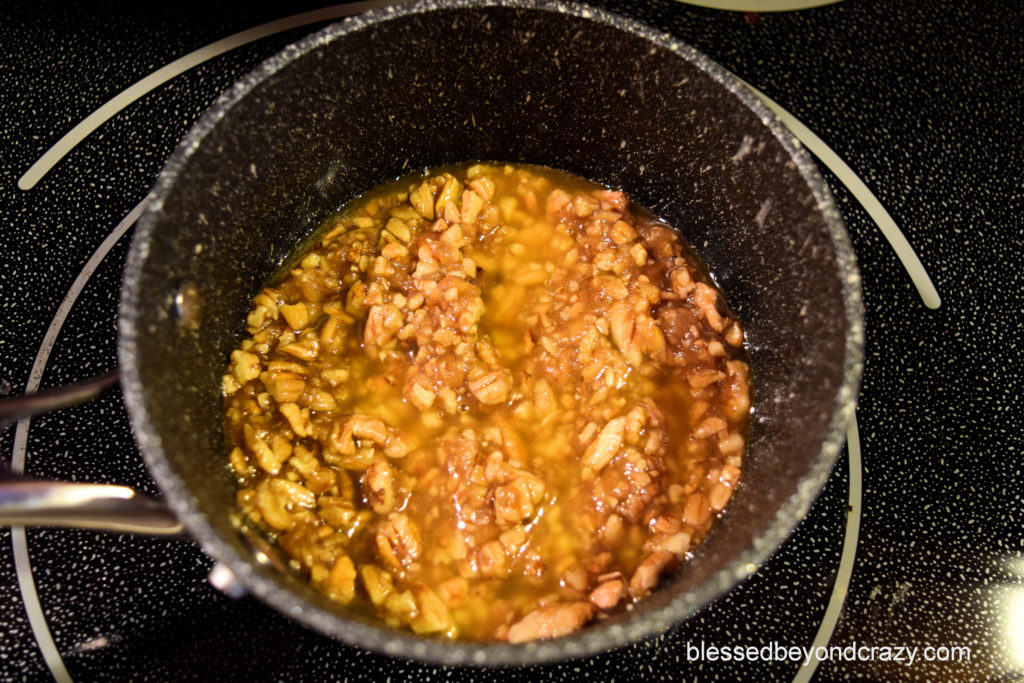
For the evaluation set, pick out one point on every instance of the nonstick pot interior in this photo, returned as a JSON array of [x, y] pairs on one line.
[[395, 90]]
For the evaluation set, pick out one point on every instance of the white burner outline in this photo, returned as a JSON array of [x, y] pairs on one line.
[[19, 542], [140, 88], [897, 240], [760, 5], [844, 573], [846, 175]]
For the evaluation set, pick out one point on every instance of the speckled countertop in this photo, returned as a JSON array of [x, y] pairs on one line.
[[918, 538]]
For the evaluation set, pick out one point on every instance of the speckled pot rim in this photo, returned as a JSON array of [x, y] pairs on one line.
[[391, 642]]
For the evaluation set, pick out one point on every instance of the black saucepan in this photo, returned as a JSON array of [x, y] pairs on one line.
[[376, 96]]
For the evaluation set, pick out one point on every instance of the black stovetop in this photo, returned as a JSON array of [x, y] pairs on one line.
[[918, 538]]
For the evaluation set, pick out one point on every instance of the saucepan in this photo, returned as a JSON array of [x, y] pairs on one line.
[[556, 84]]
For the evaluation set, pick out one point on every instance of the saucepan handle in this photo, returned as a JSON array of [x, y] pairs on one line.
[[104, 507]]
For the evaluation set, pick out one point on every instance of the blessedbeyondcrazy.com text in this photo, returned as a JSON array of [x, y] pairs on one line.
[[776, 652]]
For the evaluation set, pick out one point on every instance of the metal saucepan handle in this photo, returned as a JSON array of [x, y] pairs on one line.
[[102, 507], [18, 407]]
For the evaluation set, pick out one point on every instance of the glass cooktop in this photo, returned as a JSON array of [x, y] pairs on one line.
[[909, 566]]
